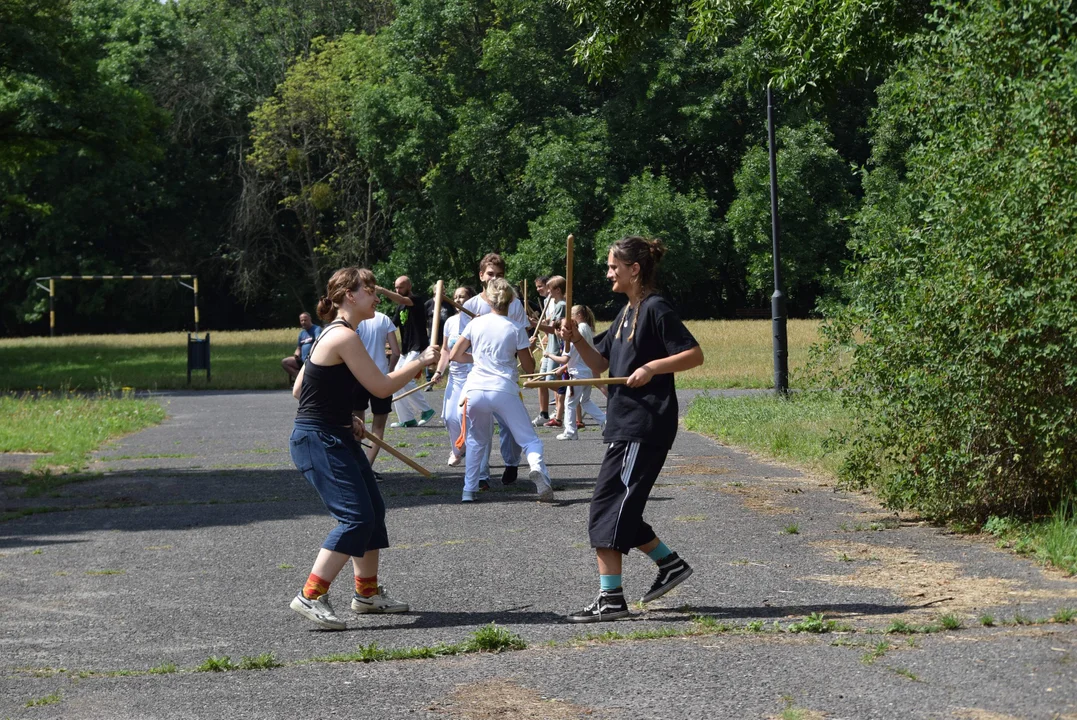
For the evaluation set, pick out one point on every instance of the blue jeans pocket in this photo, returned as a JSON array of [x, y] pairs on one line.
[[300, 451]]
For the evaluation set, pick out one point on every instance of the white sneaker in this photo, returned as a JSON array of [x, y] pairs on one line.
[[568, 436], [318, 611], [539, 420], [380, 603], [454, 460], [542, 486]]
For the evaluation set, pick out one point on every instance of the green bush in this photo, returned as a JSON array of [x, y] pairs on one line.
[[963, 309]]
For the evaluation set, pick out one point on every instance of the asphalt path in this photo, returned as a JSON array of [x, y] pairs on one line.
[[194, 536]]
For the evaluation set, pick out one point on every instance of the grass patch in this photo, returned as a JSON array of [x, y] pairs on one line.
[[737, 354], [265, 661], [817, 623], [68, 427], [166, 668], [877, 651], [50, 699], [1052, 540], [492, 638], [217, 664], [105, 571], [800, 429]]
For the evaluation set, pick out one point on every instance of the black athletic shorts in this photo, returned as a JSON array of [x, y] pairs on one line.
[[625, 479], [362, 398]]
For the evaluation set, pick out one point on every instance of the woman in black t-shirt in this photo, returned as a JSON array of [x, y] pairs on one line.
[[647, 344]]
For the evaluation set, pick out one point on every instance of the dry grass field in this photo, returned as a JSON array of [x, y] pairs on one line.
[[738, 355]]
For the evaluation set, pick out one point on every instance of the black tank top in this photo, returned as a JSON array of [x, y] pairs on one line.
[[326, 395]]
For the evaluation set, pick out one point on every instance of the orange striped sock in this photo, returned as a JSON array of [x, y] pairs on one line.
[[366, 587], [315, 587]]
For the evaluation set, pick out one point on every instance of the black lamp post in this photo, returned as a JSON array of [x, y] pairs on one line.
[[777, 300]]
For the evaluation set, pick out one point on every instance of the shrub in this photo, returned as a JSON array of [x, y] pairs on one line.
[[963, 305]]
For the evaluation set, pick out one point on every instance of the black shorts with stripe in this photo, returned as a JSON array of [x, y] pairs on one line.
[[628, 473]]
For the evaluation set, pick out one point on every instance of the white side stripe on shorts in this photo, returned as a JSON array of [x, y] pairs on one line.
[[628, 464]]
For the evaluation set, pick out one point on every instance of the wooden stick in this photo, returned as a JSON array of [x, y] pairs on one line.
[[575, 382], [542, 316], [568, 275], [398, 455], [459, 307], [533, 375], [436, 325], [414, 389]]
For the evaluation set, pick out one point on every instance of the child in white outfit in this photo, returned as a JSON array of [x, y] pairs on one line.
[[579, 396], [494, 343]]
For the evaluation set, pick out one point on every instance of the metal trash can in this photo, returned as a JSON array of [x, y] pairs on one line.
[[197, 355]]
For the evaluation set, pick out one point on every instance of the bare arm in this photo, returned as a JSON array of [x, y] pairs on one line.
[[459, 350], [298, 384], [527, 360], [350, 349], [685, 360], [394, 349], [394, 296]]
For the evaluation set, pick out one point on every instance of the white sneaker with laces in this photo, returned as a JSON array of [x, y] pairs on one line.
[[318, 610], [568, 436], [542, 486], [454, 460], [380, 603]]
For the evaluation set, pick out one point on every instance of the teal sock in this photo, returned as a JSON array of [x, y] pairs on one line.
[[660, 553], [609, 582]]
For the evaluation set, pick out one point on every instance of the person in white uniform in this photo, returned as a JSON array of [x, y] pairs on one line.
[[495, 343], [491, 267], [458, 372], [579, 396]]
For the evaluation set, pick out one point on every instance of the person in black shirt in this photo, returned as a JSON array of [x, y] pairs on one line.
[[410, 316], [324, 447], [647, 344]]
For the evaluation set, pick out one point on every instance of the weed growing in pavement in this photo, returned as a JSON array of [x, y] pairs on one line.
[[950, 622], [792, 529], [106, 571], [265, 661], [491, 638], [50, 699], [755, 626], [165, 668], [1064, 615], [877, 651], [906, 673], [285, 566], [900, 627], [216, 664], [817, 623], [1020, 618], [987, 620]]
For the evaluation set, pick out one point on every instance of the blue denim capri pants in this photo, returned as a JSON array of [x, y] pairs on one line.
[[333, 462]]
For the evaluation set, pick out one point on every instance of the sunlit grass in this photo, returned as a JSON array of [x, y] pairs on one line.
[[738, 355], [68, 427]]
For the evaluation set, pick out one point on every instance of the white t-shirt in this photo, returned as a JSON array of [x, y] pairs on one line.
[[480, 307], [453, 328], [576, 365], [373, 333], [495, 340]]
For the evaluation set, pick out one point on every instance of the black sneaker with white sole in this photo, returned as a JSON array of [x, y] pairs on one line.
[[509, 475], [672, 571], [609, 605]]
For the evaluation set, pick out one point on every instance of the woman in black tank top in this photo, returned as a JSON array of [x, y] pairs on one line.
[[325, 448]]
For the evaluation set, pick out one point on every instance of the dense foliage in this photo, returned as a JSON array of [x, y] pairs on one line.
[[262, 144], [963, 299]]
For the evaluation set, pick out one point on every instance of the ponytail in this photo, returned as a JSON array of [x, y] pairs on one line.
[[326, 311]]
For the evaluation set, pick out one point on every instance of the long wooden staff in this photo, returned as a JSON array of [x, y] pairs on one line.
[[574, 382], [542, 315], [398, 455], [436, 325], [459, 307], [533, 375], [414, 389], [568, 275]]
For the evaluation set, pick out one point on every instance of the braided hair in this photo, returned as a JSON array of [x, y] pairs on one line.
[[648, 253]]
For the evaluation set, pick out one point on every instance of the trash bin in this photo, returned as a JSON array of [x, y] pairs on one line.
[[197, 355]]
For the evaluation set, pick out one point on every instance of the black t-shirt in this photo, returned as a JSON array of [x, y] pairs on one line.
[[645, 414], [412, 323]]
